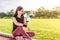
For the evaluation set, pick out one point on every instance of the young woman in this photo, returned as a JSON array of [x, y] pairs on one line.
[[18, 22]]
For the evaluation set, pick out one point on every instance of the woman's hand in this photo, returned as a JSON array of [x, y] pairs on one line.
[[19, 24], [29, 30]]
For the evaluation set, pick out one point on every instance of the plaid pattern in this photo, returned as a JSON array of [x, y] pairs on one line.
[[20, 32]]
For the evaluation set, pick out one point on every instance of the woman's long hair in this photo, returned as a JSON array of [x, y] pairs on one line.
[[18, 9]]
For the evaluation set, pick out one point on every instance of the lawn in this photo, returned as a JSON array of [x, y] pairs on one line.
[[45, 29]]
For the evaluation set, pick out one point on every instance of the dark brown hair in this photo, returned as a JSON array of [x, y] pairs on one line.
[[18, 9]]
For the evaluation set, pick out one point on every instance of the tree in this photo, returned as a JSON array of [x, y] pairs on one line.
[[10, 13]]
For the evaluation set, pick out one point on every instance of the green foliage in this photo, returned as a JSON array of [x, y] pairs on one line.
[[46, 13], [8, 14], [39, 13]]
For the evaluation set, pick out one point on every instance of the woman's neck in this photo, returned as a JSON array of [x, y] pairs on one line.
[[18, 16]]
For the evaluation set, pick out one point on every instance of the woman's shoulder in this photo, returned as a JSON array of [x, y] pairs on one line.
[[14, 17]]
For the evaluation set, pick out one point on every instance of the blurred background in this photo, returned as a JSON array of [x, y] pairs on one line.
[[45, 17]]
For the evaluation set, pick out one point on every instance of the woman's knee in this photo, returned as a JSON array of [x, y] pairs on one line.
[[31, 34]]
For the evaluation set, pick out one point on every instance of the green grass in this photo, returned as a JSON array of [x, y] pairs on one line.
[[45, 29]]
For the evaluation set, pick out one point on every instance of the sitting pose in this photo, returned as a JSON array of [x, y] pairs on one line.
[[19, 21]]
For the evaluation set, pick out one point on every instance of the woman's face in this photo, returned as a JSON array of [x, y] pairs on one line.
[[20, 12]]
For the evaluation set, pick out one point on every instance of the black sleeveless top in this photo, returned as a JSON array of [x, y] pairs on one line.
[[20, 20]]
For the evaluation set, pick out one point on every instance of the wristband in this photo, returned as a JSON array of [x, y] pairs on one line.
[[24, 25]]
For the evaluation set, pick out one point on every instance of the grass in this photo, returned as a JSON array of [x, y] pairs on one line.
[[45, 29]]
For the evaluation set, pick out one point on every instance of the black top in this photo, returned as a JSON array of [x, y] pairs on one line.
[[20, 20]]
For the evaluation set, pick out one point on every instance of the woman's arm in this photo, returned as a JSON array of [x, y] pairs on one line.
[[29, 30], [26, 23], [16, 23]]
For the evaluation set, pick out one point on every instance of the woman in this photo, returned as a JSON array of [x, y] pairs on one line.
[[18, 22]]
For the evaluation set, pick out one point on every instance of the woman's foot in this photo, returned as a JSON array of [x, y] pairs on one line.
[[27, 39], [19, 38]]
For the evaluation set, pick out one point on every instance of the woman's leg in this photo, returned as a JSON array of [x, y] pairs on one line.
[[31, 34], [19, 31]]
